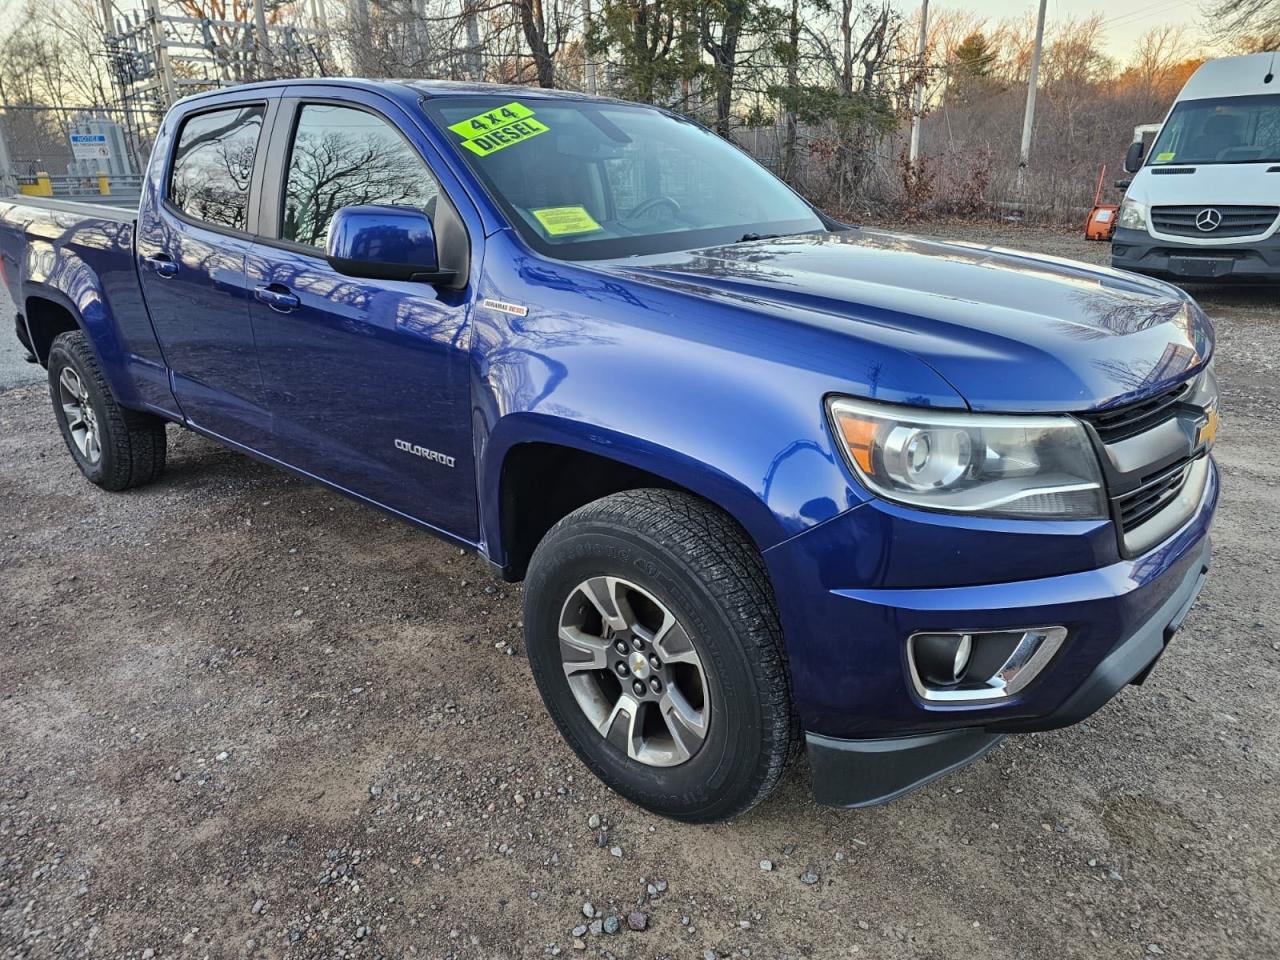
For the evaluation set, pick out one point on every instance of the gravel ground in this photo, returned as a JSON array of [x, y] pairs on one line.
[[242, 715]]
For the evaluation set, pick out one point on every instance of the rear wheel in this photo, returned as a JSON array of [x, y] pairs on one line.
[[114, 447], [655, 644]]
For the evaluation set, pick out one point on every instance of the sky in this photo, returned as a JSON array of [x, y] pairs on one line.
[[1126, 19]]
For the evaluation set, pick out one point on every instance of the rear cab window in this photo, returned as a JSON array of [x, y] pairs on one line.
[[213, 164]]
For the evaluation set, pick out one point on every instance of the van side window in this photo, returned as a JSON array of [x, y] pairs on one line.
[[342, 157], [212, 164]]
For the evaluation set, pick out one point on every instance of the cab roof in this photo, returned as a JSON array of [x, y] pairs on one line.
[[398, 88]]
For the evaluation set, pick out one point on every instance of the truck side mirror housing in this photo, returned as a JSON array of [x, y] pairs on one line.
[[1133, 159], [382, 242]]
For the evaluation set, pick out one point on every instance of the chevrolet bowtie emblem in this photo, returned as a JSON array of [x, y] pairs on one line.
[[1208, 431]]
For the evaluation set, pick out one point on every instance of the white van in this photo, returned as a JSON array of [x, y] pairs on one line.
[[1205, 205]]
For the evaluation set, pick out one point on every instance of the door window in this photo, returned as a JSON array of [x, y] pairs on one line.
[[212, 165], [342, 157]]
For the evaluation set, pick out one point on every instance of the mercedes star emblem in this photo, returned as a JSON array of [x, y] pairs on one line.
[[1208, 220]]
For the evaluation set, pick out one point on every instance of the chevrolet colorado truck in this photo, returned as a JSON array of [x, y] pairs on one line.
[[773, 483]]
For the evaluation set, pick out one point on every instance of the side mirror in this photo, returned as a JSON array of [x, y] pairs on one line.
[[1133, 159], [1123, 184], [384, 243]]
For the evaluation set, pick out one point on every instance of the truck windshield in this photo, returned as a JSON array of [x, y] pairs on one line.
[[582, 180], [1221, 130]]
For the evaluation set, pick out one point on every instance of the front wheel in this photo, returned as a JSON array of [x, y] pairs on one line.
[[114, 447], [654, 641]]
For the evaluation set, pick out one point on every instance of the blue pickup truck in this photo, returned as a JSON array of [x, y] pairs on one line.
[[773, 483]]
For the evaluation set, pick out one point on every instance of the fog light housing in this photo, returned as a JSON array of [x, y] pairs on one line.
[[941, 658], [972, 666]]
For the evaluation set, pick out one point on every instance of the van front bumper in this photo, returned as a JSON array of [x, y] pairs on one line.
[[870, 735], [1138, 251]]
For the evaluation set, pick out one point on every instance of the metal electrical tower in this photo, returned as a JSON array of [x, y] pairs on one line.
[[157, 57]]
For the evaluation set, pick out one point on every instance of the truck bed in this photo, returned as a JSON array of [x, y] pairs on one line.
[[122, 209], [64, 258]]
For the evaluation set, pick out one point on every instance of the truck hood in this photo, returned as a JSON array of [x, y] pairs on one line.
[[1010, 331]]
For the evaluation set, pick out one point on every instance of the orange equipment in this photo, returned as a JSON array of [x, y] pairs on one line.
[[1101, 224]]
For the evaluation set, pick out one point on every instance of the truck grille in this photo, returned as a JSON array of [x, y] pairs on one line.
[[1133, 418], [1155, 463], [1236, 221], [1137, 508]]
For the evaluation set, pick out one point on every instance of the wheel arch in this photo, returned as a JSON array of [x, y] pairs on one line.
[[49, 310], [536, 469], [48, 314]]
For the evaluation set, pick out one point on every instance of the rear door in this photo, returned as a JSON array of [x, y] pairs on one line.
[[367, 382], [194, 233]]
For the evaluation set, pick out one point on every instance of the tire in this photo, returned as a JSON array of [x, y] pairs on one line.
[[114, 447], [718, 739]]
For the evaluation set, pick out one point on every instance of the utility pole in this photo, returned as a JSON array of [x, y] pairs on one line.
[[1029, 118], [591, 64], [263, 38], [473, 65], [161, 52], [914, 151], [108, 18], [361, 28]]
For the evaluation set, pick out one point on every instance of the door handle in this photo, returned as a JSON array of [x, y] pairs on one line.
[[277, 299], [162, 263]]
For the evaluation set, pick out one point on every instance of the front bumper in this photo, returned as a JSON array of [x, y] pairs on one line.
[[864, 773], [871, 736], [1252, 261]]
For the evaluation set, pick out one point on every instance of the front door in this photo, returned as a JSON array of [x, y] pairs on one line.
[[192, 243], [366, 381]]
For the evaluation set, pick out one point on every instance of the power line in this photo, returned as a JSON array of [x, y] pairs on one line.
[[1143, 12]]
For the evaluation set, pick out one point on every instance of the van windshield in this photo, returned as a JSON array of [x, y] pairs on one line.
[[585, 180], [1221, 130]]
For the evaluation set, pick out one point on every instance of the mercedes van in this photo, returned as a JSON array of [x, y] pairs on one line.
[[1204, 203]]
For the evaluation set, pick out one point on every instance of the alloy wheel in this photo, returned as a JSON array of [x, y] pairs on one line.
[[82, 422], [634, 671]]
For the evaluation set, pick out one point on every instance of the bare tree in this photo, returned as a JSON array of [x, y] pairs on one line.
[[1253, 25]]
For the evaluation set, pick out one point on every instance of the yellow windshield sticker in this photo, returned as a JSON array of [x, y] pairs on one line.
[[497, 129], [564, 221], [1165, 157]]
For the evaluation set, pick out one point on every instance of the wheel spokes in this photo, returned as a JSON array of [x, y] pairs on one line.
[[620, 727], [580, 651], [673, 643], [687, 726], [69, 380], [605, 595]]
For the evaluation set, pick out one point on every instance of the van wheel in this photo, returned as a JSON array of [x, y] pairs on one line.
[[114, 447], [654, 640]]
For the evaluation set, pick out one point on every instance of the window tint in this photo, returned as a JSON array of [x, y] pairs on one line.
[[343, 157], [212, 164]]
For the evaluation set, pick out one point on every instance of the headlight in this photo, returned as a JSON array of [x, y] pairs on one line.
[[996, 465], [1133, 215]]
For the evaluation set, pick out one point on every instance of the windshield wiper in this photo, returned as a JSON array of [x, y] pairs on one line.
[[748, 237]]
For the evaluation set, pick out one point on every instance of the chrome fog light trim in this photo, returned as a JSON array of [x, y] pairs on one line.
[[1032, 650]]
